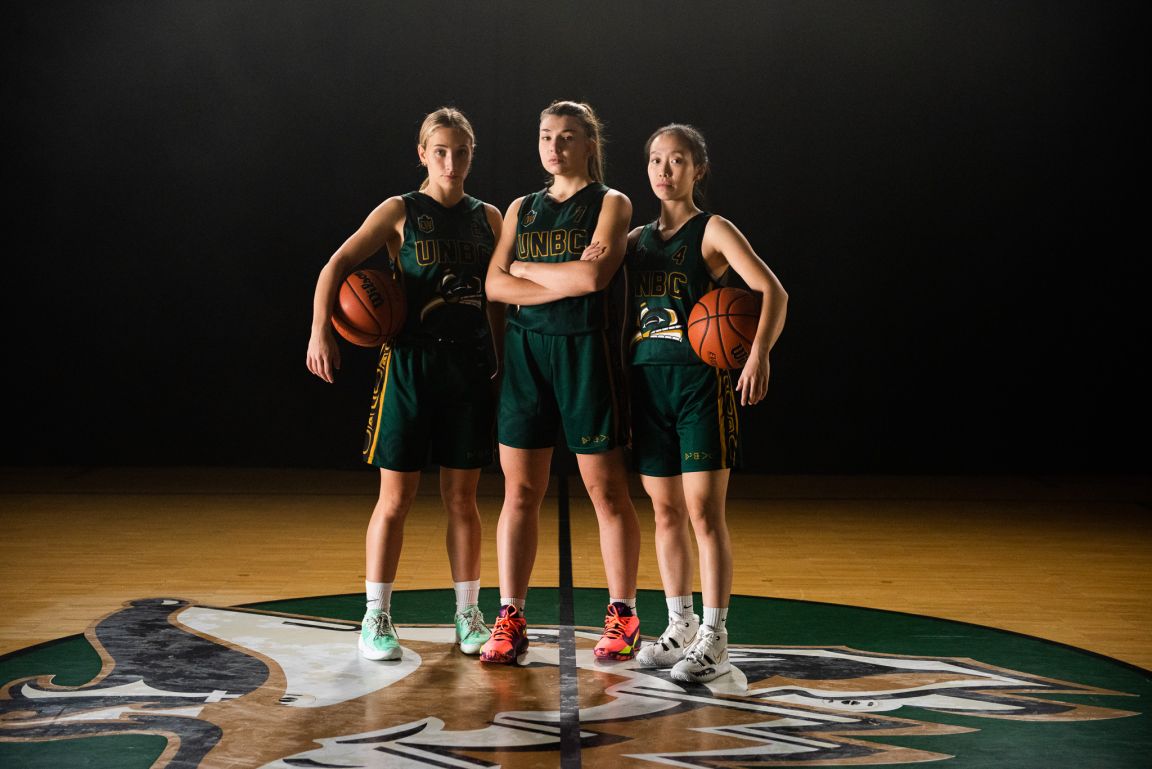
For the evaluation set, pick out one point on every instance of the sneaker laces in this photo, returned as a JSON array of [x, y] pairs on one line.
[[382, 625], [613, 625], [701, 649], [504, 629], [475, 620]]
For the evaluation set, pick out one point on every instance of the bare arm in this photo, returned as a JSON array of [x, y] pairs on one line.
[[585, 276], [501, 285], [724, 245], [385, 221]]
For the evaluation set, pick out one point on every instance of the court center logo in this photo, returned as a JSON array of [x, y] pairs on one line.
[[232, 687]]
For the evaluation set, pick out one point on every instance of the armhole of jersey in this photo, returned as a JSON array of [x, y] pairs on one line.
[[394, 259]]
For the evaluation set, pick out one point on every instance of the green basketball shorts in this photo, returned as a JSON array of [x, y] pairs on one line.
[[553, 381], [432, 403], [683, 419]]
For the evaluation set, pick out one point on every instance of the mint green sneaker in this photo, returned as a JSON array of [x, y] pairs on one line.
[[378, 639], [471, 632]]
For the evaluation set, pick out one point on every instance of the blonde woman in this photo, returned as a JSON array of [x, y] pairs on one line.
[[433, 400]]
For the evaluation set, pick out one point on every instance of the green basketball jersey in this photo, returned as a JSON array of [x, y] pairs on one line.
[[549, 231], [442, 264], [667, 278]]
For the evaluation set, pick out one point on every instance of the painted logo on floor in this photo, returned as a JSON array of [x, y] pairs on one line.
[[231, 687]]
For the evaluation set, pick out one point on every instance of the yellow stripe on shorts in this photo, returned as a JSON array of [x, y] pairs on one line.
[[728, 421], [383, 367]]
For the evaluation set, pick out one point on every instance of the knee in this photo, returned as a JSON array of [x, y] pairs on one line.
[[613, 507], [708, 524], [460, 504], [391, 511], [522, 498], [394, 501], [609, 495], [669, 517]]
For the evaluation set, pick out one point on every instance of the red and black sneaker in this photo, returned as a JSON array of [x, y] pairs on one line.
[[509, 642], [621, 637]]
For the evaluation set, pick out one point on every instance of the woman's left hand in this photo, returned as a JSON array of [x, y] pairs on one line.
[[753, 382]]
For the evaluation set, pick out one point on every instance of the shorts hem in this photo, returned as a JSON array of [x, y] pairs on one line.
[[598, 450], [430, 463], [395, 469], [469, 466], [657, 474], [527, 448], [666, 473]]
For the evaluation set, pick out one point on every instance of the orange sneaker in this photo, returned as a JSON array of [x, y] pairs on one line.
[[509, 642], [621, 636]]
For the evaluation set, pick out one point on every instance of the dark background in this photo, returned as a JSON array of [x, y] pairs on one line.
[[954, 195]]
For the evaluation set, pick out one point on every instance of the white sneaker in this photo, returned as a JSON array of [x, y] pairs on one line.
[[706, 658], [669, 648]]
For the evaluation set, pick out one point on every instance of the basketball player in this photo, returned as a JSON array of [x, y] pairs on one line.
[[684, 425], [434, 400], [557, 373]]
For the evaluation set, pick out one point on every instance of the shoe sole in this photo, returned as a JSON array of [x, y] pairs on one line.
[[471, 649], [367, 652], [703, 678], [672, 655], [517, 660], [514, 662], [659, 663], [618, 656]]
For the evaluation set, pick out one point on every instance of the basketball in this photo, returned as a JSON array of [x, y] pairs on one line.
[[722, 325], [370, 309]]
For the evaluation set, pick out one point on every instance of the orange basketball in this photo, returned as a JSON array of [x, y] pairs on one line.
[[370, 309], [722, 325]]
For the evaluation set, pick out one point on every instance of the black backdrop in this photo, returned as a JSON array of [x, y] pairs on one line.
[[954, 195]]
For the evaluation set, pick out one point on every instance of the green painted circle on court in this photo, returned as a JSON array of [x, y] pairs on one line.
[[1052, 706]]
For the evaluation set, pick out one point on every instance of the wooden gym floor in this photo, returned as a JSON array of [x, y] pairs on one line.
[[1066, 559]]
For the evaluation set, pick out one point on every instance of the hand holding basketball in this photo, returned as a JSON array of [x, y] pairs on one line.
[[370, 309]]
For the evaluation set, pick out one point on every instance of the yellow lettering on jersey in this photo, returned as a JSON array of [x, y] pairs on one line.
[[557, 241], [660, 283], [430, 252], [550, 243]]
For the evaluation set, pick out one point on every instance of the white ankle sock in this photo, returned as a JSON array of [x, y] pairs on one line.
[[629, 602], [680, 606], [379, 595], [467, 594], [717, 619]]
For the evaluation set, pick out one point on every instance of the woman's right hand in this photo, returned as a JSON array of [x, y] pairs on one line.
[[323, 354], [593, 252]]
